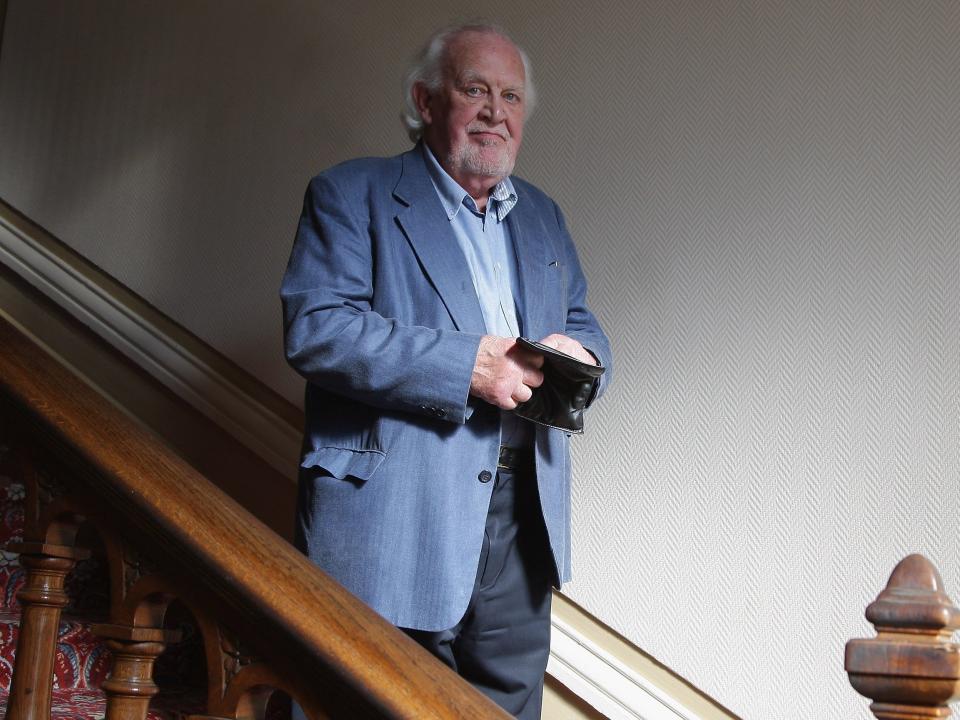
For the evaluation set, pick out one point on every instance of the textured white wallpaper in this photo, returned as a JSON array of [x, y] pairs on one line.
[[766, 198]]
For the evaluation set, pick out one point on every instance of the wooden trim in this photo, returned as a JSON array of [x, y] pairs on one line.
[[211, 450], [616, 677], [248, 410], [561, 703]]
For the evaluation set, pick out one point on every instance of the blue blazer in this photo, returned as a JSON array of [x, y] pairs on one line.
[[382, 319]]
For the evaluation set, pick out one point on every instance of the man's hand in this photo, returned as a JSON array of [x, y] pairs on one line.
[[504, 372], [569, 346]]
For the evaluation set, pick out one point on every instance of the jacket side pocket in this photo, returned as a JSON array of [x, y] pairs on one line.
[[343, 463]]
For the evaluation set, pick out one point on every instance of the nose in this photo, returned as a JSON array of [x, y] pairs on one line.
[[493, 108]]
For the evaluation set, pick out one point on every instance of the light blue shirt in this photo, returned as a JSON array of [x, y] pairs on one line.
[[487, 246]]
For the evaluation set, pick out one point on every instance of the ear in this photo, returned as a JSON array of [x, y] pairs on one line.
[[422, 98]]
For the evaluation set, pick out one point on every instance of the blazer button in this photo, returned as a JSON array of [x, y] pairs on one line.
[[485, 476]]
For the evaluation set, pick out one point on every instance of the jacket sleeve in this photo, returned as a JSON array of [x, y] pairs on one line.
[[581, 324], [334, 338]]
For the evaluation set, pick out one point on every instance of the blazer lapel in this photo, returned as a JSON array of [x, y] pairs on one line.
[[537, 294], [427, 229]]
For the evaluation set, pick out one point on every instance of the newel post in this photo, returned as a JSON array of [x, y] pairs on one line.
[[911, 670]]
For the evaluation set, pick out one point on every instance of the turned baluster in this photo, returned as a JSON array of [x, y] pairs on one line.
[[911, 670], [41, 598], [130, 685]]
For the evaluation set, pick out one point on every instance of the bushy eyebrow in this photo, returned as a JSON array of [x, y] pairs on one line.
[[469, 76]]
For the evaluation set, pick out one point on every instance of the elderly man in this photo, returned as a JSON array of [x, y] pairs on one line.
[[410, 280]]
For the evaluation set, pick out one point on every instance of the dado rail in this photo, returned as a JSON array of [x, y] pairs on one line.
[[268, 619]]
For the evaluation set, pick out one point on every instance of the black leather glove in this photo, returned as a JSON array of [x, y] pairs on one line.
[[567, 386]]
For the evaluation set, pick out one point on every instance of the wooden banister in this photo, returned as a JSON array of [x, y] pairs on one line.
[[305, 633], [911, 670]]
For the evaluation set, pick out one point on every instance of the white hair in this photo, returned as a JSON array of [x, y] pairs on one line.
[[427, 69]]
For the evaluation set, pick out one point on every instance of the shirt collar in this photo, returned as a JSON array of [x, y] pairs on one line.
[[453, 197]]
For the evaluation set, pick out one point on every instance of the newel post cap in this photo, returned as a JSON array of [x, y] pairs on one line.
[[911, 669], [914, 599]]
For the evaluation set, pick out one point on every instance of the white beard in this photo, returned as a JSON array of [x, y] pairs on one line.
[[471, 160]]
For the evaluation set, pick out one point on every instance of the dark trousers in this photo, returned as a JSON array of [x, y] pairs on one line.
[[502, 643]]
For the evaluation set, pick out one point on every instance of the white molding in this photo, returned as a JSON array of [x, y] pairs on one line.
[[183, 371], [596, 676], [607, 683]]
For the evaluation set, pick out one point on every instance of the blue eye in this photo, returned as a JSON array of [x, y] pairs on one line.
[[474, 91]]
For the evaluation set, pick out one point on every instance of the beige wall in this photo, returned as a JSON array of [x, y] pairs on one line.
[[766, 197]]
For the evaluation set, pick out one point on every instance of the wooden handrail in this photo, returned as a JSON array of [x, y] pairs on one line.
[[336, 656]]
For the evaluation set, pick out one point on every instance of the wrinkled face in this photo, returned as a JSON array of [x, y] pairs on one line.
[[474, 122]]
